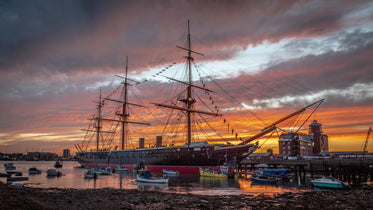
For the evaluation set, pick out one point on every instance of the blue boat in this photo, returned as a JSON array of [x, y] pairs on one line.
[[330, 182], [264, 179], [275, 172], [12, 179]]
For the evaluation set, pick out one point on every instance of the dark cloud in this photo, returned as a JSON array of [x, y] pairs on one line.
[[356, 40], [84, 35], [51, 52]]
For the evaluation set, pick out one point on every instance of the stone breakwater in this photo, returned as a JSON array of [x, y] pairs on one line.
[[38, 198]]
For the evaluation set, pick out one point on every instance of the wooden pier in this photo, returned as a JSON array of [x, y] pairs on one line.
[[354, 171]]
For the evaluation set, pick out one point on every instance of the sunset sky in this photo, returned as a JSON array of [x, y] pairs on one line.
[[272, 57]]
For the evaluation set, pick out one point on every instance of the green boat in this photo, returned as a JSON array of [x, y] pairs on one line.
[[330, 182]]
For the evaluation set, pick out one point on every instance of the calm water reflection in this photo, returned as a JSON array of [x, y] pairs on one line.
[[74, 178]]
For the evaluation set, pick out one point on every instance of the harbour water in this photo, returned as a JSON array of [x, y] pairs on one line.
[[73, 177]]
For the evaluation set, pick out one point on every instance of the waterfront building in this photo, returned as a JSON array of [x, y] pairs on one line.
[[66, 153], [295, 144], [299, 144], [262, 156]]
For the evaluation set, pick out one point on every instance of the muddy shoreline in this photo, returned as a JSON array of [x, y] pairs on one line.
[[53, 198]]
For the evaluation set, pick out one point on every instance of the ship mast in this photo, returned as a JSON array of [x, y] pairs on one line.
[[125, 113], [189, 101], [98, 122], [98, 127], [124, 108]]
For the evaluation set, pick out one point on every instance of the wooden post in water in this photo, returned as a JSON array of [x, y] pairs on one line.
[[304, 175]]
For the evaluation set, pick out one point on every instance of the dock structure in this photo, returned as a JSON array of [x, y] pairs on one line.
[[354, 171]]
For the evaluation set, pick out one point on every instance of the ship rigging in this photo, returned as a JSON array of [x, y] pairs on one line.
[[188, 157]]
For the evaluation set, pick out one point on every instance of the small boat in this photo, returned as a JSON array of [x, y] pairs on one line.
[[104, 171], [90, 174], [16, 173], [53, 172], [101, 171], [211, 173], [329, 182], [58, 164], [34, 170], [145, 176], [5, 175], [119, 169], [263, 179], [9, 166], [16, 185], [170, 172], [19, 178], [96, 171]]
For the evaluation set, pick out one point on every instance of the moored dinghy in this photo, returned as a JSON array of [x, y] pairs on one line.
[[19, 178], [34, 170], [58, 164], [120, 169], [330, 182], [263, 179], [90, 174], [170, 172], [211, 173], [9, 166], [53, 172], [145, 176]]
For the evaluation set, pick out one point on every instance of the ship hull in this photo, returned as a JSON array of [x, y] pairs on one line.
[[183, 159]]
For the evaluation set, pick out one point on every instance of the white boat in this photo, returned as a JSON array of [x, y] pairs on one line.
[[53, 172], [96, 171], [330, 182], [160, 180], [170, 172], [101, 171], [121, 169], [90, 174], [106, 171], [145, 176]]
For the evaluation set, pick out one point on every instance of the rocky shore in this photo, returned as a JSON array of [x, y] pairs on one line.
[[38, 198]]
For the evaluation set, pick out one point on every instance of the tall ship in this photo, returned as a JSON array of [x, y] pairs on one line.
[[188, 157]]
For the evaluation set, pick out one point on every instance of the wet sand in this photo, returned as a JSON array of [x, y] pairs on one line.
[[40, 198]]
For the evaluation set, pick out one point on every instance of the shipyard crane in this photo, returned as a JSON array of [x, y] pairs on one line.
[[366, 140]]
